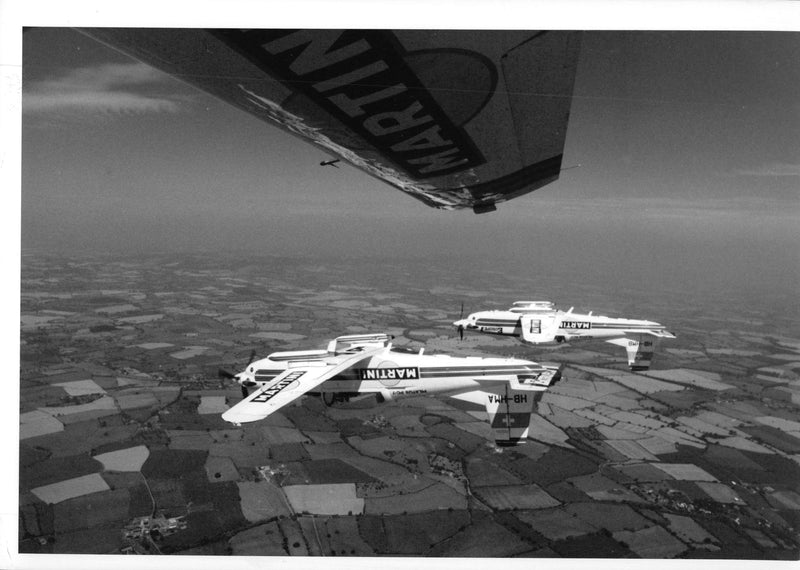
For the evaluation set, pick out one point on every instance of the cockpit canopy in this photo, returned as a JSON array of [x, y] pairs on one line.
[[525, 307]]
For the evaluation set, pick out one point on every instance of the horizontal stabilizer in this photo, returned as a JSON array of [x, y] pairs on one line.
[[537, 381]]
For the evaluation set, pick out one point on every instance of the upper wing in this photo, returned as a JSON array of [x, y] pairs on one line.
[[455, 118], [660, 333], [290, 385]]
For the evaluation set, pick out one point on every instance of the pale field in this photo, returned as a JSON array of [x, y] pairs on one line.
[[263, 540], [690, 377], [619, 433], [653, 542], [677, 435], [565, 402], [556, 524], [688, 530], [212, 405], [480, 428], [743, 443], [582, 388], [637, 419], [562, 418], [631, 449], [331, 499], [136, 399], [643, 472], [543, 431], [720, 493], [789, 499], [685, 472], [434, 497], [697, 427], [508, 497], [71, 488], [130, 459], [81, 387], [637, 382], [657, 445], [625, 401], [221, 469], [788, 426], [261, 500], [36, 423]]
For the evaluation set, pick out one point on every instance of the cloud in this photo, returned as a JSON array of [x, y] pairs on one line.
[[773, 169], [109, 89]]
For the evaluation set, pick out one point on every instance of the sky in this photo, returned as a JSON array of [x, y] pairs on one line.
[[682, 163]]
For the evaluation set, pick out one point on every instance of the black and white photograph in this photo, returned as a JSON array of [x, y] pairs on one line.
[[320, 283]]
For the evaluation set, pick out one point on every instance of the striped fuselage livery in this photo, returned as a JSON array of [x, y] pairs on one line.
[[539, 322], [557, 324], [396, 372]]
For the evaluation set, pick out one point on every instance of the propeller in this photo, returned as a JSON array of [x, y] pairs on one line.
[[222, 373], [459, 324]]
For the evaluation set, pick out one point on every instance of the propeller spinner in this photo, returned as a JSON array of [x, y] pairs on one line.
[[240, 378]]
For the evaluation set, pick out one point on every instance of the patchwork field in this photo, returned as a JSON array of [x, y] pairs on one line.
[[120, 407]]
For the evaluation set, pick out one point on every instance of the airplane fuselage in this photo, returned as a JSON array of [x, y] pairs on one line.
[[550, 325], [398, 372], [539, 322]]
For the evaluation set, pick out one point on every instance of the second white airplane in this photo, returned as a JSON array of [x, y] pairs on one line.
[[539, 322]]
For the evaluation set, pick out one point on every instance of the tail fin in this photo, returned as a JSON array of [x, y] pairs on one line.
[[509, 414], [639, 349]]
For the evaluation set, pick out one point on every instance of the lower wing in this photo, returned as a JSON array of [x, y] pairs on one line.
[[290, 385]]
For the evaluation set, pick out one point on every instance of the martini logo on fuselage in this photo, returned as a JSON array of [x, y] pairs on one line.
[[575, 325], [389, 373], [361, 78]]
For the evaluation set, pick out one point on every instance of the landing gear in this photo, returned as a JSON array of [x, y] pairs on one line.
[[330, 398]]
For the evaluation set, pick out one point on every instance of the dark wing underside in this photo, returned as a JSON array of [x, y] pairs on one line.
[[457, 119]]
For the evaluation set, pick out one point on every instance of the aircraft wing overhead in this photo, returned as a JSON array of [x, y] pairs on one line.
[[290, 385], [456, 118]]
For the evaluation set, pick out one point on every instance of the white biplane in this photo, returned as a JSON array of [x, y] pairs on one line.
[[539, 322], [507, 388]]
